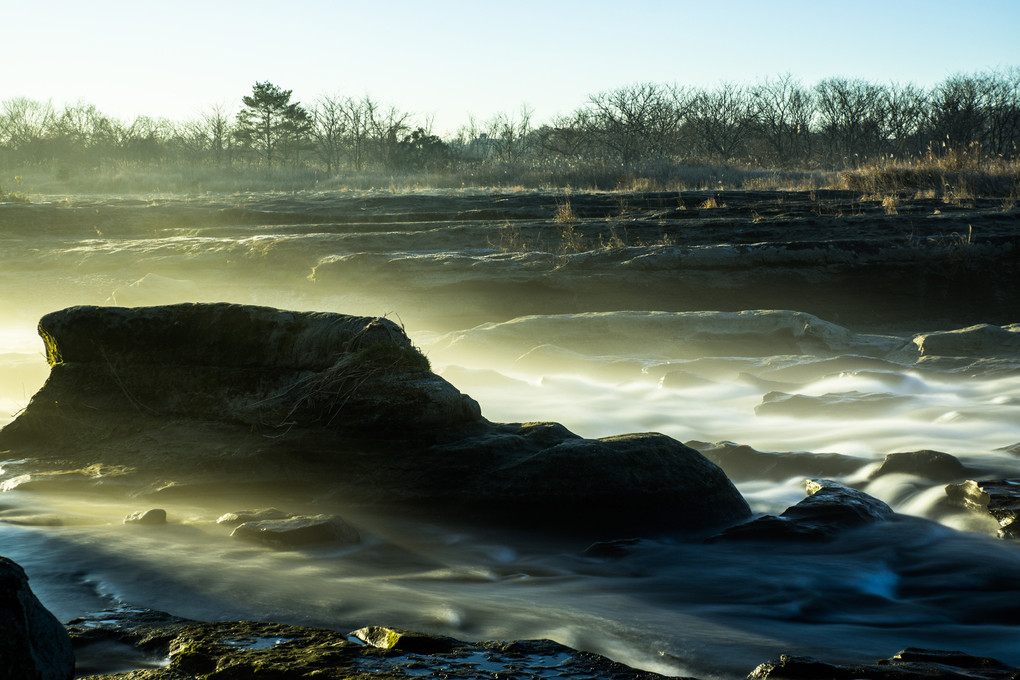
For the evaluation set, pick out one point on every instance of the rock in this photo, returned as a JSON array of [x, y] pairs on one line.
[[154, 516], [999, 498], [909, 664], [247, 364], [836, 405], [673, 335], [829, 509], [298, 531], [979, 340], [1013, 450], [194, 398], [242, 516], [934, 465], [33, 644], [741, 462], [404, 640], [248, 649]]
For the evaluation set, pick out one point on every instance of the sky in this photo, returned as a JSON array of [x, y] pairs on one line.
[[448, 60]]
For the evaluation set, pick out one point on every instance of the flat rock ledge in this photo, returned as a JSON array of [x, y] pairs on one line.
[[163, 647], [910, 664], [182, 399], [174, 649]]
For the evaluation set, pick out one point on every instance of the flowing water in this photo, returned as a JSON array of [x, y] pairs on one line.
[[935, 577]]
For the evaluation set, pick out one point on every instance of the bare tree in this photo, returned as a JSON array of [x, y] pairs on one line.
[[388, 128], [718, 119], [850, 115], [25, 125], [1002, 92], [639, 121], [904, 108], [781, 111], [216, 128], [329, 129], [957, 114], [509, 134]]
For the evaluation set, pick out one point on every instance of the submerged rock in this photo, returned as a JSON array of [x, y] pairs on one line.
[[189, 398], [910, 664], [999, 498], [837, 405], [33, 644], [829, 509], [741, 462], [295, 532]]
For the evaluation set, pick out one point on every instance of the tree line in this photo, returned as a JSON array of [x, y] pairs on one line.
[[776, 122]]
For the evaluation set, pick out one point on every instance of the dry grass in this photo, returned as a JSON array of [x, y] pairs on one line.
[[952, 174], [889, 203]]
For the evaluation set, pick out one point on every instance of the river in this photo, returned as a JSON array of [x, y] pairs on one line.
[[783, 381]]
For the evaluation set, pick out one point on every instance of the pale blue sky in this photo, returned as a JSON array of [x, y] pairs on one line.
[[450, 58]]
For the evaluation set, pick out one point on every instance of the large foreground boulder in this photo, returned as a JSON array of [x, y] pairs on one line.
[[187, 398], [33, 644]]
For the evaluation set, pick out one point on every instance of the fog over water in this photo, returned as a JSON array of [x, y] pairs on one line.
[[778, 381]]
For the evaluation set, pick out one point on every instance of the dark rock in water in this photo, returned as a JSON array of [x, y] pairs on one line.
[[934, 465], [741, 462], [242, 516], [999, 498], [302, 530], [193, 397], [33, 644], [829, 509], [1013, 450], [835, 405], [243, 364], [910, 664], [620, 547], [154, 516], [254, 650], [980, 340]]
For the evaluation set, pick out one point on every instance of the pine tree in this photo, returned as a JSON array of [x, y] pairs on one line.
[[269, 122]]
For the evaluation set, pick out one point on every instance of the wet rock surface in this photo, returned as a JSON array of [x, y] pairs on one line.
[[155, 516], [933, 465], [999, 498], [298, 531], [33, 644], [241, 650], [171, 400], [829, 509], [910, 664], [742, 462], [494, 253]]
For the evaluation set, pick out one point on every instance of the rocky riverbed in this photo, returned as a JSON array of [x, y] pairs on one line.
[[441, 442]]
